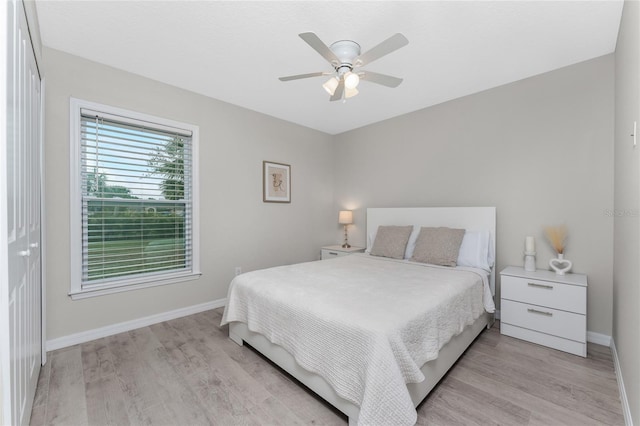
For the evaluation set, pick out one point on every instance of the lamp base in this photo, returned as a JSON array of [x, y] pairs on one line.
[[346, 240]]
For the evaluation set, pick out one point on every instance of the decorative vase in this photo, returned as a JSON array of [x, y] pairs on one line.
[[530, 261], [560, 264]]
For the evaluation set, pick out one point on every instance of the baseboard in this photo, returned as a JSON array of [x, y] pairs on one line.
[[626, 410], [598, 339], [97, 333]]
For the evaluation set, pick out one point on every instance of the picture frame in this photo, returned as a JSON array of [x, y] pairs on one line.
[[276, 182]]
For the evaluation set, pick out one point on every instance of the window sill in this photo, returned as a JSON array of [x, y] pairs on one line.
[[129, 286]]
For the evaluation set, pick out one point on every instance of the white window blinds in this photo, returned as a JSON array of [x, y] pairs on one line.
[[136, 190]]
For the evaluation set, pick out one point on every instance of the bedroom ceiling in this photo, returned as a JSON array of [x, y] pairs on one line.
[[235, 51]]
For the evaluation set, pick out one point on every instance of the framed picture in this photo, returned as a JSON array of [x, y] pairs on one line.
[[276, 182]]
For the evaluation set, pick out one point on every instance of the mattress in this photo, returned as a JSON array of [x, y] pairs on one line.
[[365, 324]]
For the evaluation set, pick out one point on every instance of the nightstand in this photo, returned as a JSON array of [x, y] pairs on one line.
[[545, 308], [328, 252]]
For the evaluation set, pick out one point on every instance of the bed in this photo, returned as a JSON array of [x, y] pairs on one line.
[[371, 335]]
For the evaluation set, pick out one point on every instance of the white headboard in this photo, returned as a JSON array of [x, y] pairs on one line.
[[471, 218]]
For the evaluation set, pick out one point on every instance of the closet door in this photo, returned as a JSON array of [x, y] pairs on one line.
[[23, 216]]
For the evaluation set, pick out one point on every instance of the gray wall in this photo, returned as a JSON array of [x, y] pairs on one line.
[[237, 228], [540, 150], [626, 275]]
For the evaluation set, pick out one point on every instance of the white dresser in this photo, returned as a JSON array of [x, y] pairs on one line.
[[545, 308], [328, 252]]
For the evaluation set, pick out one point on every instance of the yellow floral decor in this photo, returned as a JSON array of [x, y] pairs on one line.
[[557, 236]]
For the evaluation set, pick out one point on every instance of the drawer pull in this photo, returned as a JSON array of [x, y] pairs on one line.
[[549, 287], [333, 253], [535, 311]]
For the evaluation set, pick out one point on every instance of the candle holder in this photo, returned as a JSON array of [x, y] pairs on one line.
[[530, 261]]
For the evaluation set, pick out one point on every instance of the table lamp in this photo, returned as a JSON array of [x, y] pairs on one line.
[[345, 218]]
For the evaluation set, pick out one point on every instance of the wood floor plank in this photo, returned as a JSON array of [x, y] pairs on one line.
[[457, 411], [538, 383], [305, 405], [42, 389], [187, 371], [105, 402], [96, 360], [197, 357], [66, 404], [38, 415], [590, 385], [194, 370], [492, 385], [229, 371], [39, 409], [143, 404], [510, 351], [594, 364], [501, 409], [177, 396], [279, 413]]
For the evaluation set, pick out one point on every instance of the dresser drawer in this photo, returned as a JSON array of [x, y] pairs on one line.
[[328, 254], [558, 323], [565, 297], [571, 346]]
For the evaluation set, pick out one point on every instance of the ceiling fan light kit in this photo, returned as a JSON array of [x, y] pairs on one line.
[[351, 80], [344, 56], [346, 51], [350, 92], [331, 85]]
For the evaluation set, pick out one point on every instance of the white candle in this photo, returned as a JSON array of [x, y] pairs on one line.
[[529, 244]]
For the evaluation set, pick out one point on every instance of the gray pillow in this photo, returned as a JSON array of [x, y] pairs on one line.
[[391, 241], [438, 246]]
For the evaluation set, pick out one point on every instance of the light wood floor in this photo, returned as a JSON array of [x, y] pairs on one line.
[[187, 372]]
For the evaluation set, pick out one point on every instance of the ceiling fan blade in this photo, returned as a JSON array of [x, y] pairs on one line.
[[319, 46], [385, 80], [299, 76], [337, 95], [391, 44]]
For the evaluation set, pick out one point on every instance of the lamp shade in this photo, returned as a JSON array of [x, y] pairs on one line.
[[331, 85], [349, 93], [345, 217], [351, 80]]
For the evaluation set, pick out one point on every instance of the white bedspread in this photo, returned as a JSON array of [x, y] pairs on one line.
[[365, 324]]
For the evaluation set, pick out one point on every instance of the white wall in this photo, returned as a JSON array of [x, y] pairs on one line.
[[540, 150], [626, 275], [237, 228]]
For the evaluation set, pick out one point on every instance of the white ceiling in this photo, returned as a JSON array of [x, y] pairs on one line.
[[236, 50]]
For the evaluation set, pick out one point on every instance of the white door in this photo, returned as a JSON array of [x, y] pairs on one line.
[[23, 152]]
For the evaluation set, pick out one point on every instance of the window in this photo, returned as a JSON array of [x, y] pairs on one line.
[[133, 200]]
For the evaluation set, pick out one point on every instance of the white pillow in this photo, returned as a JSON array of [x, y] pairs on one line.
[[370, 238], [411, 244], [492, 253], [476, 250]]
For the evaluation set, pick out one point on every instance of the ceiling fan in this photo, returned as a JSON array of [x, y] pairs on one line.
[[344, 56]]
